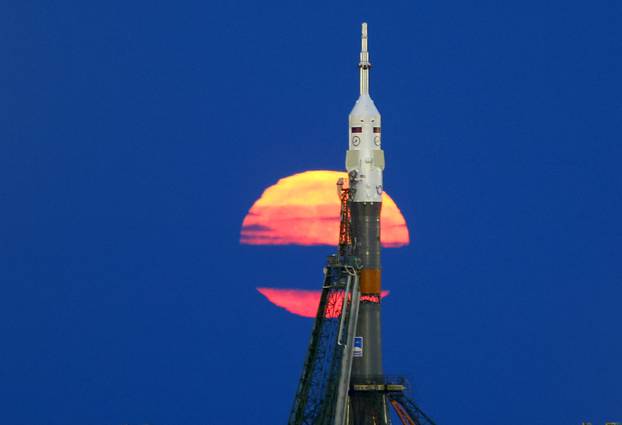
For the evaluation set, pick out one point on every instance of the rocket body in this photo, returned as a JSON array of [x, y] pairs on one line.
[[365, 164]]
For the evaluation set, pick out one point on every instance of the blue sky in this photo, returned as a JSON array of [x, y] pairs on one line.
[[135, 136]]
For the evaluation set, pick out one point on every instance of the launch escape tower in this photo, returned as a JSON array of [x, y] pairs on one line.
[[343, 382]]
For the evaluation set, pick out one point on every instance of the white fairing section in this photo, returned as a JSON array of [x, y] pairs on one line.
[[365, 156]]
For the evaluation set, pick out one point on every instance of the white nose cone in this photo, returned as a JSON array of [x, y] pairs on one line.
[[364, 111], [365, 158]]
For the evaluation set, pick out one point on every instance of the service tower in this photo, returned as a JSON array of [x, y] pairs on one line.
[[365, 163]]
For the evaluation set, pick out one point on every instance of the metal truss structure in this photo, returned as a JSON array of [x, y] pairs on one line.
[[321, 398]]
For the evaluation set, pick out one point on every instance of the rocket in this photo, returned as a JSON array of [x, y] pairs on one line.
[[365, 164], [343, 382]]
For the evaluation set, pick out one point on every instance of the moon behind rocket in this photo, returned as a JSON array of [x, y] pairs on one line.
[[303, 209]]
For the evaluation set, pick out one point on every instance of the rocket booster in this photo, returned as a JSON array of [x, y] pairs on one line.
[[365, 163]]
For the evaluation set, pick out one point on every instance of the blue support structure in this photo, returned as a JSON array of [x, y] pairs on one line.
[[322, 395]]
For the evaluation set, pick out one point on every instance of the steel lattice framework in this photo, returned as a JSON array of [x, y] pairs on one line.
[[323, 387]]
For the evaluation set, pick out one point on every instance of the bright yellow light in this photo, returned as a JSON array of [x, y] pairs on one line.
[[303, 209]]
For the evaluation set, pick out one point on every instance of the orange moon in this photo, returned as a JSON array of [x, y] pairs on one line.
[[303, 209], [301, 302]]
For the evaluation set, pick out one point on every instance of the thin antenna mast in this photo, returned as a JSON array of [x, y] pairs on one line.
[[364, 64]]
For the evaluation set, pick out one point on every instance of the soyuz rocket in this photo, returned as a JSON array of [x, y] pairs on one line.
[[343, 381], [365, 164]]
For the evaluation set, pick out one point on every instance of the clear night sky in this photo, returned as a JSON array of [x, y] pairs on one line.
[[135, 136]]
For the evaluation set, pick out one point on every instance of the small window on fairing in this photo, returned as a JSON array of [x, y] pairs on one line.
[[357, 129], [376, 129]]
